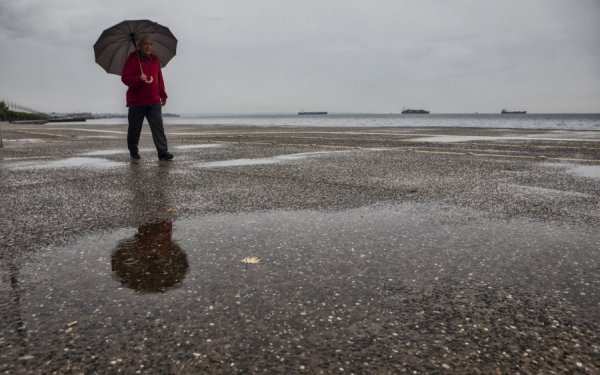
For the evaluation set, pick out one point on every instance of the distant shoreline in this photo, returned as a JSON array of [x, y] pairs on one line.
[[588, 122]]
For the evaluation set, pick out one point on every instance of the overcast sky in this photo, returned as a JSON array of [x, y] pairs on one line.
[[376, 56]]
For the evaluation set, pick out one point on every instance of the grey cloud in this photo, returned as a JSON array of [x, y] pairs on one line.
[[58, 22], [271, 55], [14, 19]]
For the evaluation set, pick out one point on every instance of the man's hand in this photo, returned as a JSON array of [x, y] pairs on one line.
[[163, 102], [144, 78]]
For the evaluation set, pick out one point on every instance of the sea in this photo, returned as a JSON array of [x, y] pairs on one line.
[[509, 121]]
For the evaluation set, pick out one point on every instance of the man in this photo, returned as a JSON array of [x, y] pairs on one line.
[[145, 97]]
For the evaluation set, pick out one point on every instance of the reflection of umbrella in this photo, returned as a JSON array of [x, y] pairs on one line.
[[150, 262], [116, 43]]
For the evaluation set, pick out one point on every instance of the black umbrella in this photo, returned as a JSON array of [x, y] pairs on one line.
[[116, 43], [150, 261]]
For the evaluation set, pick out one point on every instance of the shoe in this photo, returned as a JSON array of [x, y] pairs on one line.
[[135, 156], [166, 156]]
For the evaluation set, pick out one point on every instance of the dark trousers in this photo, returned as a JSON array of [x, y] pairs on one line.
[[136, 118]]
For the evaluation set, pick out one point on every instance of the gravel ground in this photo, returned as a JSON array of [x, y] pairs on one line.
[[418, 250]]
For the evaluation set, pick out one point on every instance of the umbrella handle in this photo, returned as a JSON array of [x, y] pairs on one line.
[[142, 70], [140, 62], [132, 37]]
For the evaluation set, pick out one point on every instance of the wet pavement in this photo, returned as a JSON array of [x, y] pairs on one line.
[[381, 251]]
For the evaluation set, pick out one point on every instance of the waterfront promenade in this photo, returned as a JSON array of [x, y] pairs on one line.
[[300, 250]]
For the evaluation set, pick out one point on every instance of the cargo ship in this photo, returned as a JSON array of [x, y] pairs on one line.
[[301, 113], [414, 112], [505, 112]]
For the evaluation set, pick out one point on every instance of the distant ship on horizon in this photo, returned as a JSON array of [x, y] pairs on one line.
[[311, 113], [414, 112], [505, 112]]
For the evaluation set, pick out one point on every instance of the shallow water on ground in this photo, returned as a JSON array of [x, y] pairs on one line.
[[264, 161], [408, 243], [591, 171], [74, 162], [177, 288]]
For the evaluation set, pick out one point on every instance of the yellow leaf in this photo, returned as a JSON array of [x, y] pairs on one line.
[[251, 260]]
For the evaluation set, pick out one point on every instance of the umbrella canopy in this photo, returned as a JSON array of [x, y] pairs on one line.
[[150, 261], [116, 43]]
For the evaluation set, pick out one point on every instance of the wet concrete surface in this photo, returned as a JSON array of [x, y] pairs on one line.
[[379, 252]]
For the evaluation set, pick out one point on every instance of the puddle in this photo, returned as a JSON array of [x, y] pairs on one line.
[[30, 140], [105, 152], [399, 273], [455, 138], [75, 162], [238, 163], [125, 151], [97, 137], [411, 242], [192, 147], [264, 161], [26, 158], [89, 130], [581, 170], [549, 192], [150, 261], [460, 138], [112, 152], [591, 171]]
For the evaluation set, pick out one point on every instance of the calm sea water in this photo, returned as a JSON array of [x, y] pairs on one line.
[[528, 121]]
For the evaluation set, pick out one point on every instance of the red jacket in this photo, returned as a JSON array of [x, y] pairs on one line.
[[140, 92]]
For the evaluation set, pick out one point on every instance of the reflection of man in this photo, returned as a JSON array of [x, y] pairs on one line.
[[150, 261], [145, 96]]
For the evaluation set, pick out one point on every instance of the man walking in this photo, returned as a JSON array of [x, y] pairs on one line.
[[145, 97]]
